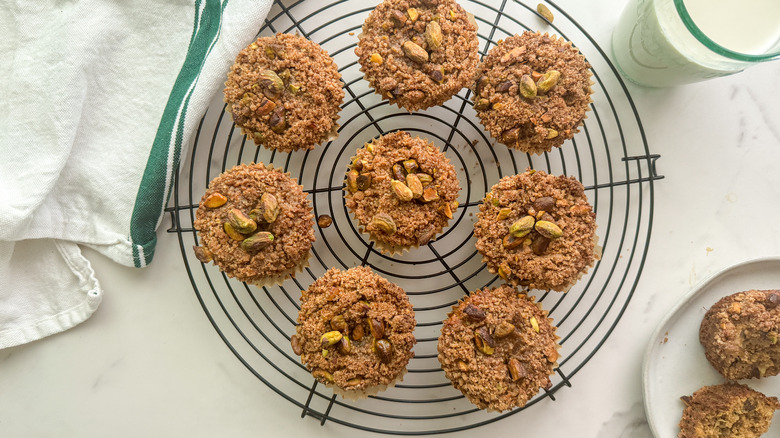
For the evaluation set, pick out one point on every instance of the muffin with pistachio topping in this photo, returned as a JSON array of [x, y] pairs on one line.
[[532, 91], [285, 92], [537, 231], [418, 53], [403, 191], [355, 332], [499, 348], [255, 223]]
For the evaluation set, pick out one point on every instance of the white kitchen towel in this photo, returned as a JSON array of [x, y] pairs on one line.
[[97, 101]]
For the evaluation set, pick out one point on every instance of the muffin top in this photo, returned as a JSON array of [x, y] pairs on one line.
[[355, 331], [255, 223], [740, 334], [537, 230], [727, 410], [498, 347], [418, 53], [285, 92], [402, 190], [532, 91]]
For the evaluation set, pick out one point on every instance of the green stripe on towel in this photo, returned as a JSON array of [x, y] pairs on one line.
[[157, 180]]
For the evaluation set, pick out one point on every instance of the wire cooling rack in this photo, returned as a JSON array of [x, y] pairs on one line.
[[610, 156]]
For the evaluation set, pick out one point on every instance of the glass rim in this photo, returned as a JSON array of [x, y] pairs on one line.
[[712, 45]]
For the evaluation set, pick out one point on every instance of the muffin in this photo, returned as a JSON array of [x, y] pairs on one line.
[[537, 231], [727, 410], [532, 92], [355, 332], [739, 334], [418, 53], [401, 190], [255, 224], [498, 347], [284, 92]]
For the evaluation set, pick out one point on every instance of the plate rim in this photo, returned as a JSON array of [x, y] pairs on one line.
[[692, 293]]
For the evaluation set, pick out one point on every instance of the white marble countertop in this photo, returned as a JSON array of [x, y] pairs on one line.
[[148, 362]]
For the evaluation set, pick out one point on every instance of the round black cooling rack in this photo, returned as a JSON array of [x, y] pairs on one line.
[[609, 156]]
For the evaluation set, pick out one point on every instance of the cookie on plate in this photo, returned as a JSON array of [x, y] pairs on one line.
[[532, 91], [402, 191], [355, 332], [418, 53], [537, 231], [499, 348], [727, 410], [740, 333], [256, 224], [285, 92]]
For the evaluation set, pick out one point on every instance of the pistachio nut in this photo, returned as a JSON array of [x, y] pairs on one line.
[[413, 14], [433, 36], [534, 324], [503, 272], [232, 233], [415, 185], [358, 332], [437, 74], [548, 81], [271, 84], [480, 87], [277, 121], [363, 181], [376, 58], [324, 221], [512, 54], [294, 88], [330, 338], [516, 370], [265, 107], [270, 207], [539, 245], [429, 195], [481, 104], [511, 135], [383, 349], [344, 345], [295, 342], [503, 329], [511, 242], [425, 236], [401, 191], [462, 365], [473, 312], [484, 341], [215, 200], [425, 179], [503, 213], [339, 323], [522, 226], [544, 12], [446, 210], [355, 381], [548, 229], [259, 137], [384, 223], [398, 17], [410, 165], [257, 241], [377, 328], [398, 172], [241, 222], [352, 176], [551, 133], [203, 254], [504, 87], [545, 203], [370, 148], [322, 375], [527, 87], [414, 52]]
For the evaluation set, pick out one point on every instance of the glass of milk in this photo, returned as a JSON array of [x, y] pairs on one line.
[[662, 43]]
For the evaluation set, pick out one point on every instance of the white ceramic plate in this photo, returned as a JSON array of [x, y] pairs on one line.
[[674, 362]]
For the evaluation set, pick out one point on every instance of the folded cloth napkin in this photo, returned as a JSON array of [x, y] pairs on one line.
[[97, 101]]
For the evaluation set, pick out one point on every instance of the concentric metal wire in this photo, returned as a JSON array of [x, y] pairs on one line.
[[610, 156]]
